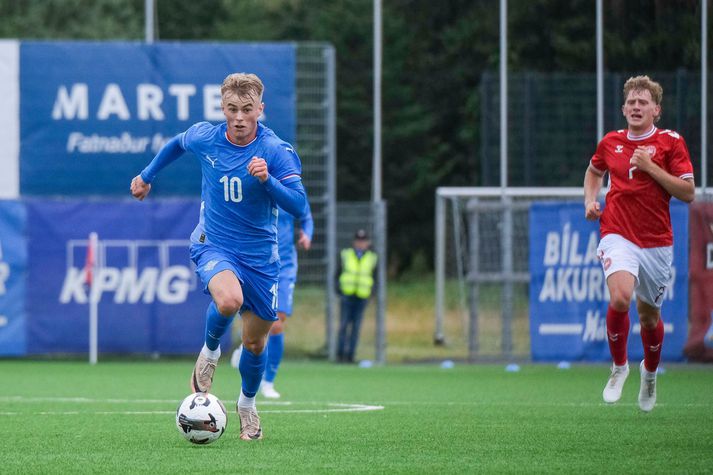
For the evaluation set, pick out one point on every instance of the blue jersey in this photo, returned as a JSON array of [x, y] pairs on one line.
[[237, 213], [286, 238]]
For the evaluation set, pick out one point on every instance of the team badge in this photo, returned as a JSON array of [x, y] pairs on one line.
[[607, 264], [651, 150]]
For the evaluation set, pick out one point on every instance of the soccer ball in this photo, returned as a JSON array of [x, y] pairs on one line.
[[201, 418]]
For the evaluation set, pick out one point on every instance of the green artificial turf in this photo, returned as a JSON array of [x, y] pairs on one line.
[[119, 417]]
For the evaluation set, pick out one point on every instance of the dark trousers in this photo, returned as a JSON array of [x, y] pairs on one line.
[[351, 315]]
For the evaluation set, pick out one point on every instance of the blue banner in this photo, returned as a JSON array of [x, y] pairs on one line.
[[93, 114], [568, 293], [150, 300], [13, 267]]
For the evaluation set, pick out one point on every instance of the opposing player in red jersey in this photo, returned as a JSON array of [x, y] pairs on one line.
[[646, 166]]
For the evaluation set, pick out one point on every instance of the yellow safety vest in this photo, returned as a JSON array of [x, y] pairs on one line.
[[357, 274]]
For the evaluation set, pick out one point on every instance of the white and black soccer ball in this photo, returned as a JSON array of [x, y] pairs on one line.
[[201, 418]]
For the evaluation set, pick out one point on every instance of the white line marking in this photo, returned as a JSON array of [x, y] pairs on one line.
[[330, 406], [560, 328]]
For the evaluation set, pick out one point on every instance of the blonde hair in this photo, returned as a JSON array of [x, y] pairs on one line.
[[243, 85], [644, 83]]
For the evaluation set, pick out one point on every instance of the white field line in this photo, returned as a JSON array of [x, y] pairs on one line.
[[293, 407], [329, 406]]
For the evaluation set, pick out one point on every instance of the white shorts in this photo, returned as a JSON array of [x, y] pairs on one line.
[[651, 266]]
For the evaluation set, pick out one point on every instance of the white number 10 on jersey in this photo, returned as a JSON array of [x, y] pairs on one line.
[[232, 189]]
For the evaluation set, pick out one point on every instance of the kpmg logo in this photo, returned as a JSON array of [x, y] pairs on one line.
[[140, 271]]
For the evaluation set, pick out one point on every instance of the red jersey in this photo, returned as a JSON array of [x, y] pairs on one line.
[[637, 207]]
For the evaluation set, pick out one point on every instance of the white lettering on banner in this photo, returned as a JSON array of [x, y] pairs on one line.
[[573, 284], [124, 143], [113, 103], [182, 92], [595, 327], [563, 248], [168, 284], [709, 256], [212, 110], [574, 274], [149, 100], [4, 273], [73, 103]]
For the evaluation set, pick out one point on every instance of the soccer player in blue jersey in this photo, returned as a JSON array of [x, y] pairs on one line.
[[285, 293], [247, 172]]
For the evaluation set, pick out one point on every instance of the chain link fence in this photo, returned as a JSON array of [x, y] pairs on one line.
[[315, 145], [552, 131]]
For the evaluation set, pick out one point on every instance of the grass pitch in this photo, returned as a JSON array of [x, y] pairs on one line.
[[119, 417]]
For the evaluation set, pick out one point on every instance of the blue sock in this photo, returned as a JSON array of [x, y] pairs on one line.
[[215, 326], [252, 367], [275, 349]]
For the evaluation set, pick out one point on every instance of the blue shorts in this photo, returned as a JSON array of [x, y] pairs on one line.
[[285, 291], [259, 285]]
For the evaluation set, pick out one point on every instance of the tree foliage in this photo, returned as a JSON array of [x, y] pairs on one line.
[[434, 56]]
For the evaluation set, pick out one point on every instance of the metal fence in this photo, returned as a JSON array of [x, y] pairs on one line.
[[316, 145], [552, 128], [334, 223], [482, 242]]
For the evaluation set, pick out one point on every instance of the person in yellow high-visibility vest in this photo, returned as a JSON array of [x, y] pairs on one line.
[[356, 272]]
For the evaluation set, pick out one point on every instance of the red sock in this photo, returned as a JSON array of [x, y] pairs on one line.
[[652, 340], [617, 334]]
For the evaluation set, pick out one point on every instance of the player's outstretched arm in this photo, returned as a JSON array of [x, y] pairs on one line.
[[291, 196], [141, 184], [593, 181]]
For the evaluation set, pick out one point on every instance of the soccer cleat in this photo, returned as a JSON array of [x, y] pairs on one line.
[[235, 357], [268, 390], [612, 391], [249, 423], [202, 377], [647, 390]]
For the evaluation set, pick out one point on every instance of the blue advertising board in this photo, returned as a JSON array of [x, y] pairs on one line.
[[13, 267], [150, 300], [568, 293], [93, 114]]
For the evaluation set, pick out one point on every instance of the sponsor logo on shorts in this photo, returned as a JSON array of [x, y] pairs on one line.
[[210, 265]]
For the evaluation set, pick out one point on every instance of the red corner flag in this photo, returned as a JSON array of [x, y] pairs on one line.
[[91, 259]]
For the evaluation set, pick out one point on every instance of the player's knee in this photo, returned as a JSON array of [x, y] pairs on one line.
[[648, 319], [277, 328], [255, 345], [620, 300], [229, 305]]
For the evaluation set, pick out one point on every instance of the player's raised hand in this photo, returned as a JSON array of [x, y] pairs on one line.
[[592, 210], [139, 188], [304, 242], [258, 168]]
